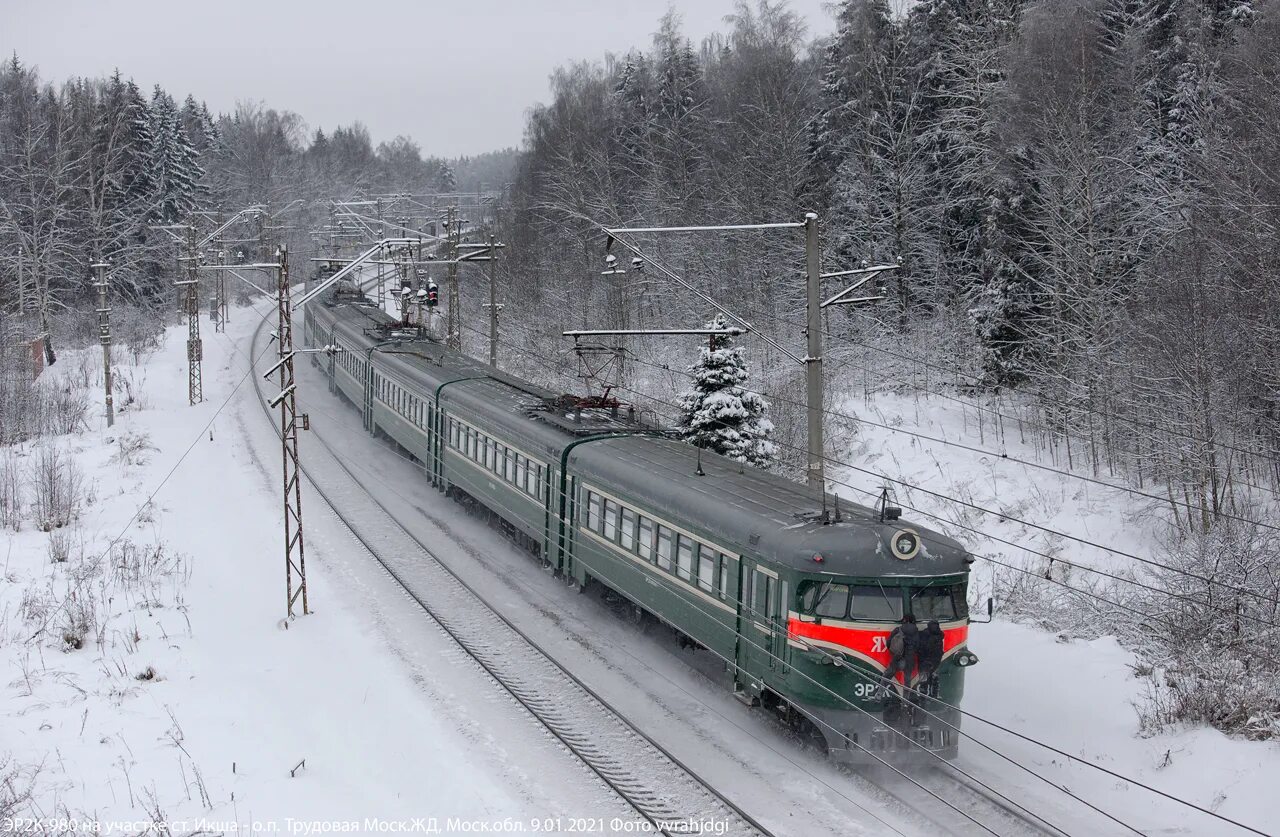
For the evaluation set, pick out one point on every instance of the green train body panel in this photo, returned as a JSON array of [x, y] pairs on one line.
[[731, 552]]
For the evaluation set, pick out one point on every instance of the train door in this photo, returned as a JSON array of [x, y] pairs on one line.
[[767, 633]]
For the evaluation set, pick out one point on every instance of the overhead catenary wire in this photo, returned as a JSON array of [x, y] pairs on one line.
[[1077, 407], [927, 790], [1029, 739], [1048, 530], [845, 363], [525, 351], [1067, 562], [842, 463], [819, 721], [1137, 492]]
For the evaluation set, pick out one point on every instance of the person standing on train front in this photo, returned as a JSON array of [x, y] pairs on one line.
[[904, 644], [930, 658]]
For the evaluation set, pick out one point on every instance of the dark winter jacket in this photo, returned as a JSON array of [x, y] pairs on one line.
[[931, 646], [905, 639]]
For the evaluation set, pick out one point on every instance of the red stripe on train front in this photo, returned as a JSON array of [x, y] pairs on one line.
[[871, 643]]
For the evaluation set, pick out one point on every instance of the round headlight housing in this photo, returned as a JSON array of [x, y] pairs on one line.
[[905, 544]]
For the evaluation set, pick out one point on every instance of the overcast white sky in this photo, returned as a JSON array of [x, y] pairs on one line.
[[457, 76]]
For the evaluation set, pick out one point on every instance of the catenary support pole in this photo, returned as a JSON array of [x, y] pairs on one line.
[[195, 349], [813, 359], [295, 565], [454, 337], [104, 334], [493, 301]]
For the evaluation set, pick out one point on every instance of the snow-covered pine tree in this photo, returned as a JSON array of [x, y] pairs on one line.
[[139, 179], [720, 413], [175, 161], [446, 180]]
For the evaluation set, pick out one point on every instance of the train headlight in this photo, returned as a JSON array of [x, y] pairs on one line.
[[904, 544], [966, 659]]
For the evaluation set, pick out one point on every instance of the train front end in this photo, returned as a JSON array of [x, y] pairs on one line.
[[855, 583]]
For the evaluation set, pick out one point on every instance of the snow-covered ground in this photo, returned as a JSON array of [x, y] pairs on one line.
[[1076, 694], [394, 723], [190, 702]]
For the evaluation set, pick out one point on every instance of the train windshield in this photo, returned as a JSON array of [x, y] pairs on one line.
[[860, 602], [941, 603]]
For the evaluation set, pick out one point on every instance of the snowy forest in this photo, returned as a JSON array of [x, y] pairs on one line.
[[1081, 195], [90, 167]]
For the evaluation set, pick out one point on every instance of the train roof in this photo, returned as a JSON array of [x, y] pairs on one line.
[[782, 518]]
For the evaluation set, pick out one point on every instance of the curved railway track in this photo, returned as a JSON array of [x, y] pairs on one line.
[[662, 790]]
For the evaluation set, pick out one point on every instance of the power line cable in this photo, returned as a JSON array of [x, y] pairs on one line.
[[1028, 738]]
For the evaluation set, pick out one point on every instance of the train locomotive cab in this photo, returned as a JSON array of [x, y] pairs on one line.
[[846, 604]]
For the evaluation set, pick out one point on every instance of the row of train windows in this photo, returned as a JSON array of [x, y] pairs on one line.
[[352, 363], [509, 465], [401, 401], [686, 558], [877, 603]]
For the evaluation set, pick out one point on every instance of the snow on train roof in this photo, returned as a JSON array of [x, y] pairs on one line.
[[779, 516]]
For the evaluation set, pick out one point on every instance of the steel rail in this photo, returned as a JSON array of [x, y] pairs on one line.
[[648, 802]]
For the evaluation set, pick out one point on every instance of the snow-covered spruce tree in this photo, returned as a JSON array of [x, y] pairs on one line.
[[720, 413], [175, 161]]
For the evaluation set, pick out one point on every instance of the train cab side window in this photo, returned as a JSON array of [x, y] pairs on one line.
[[664, 547], [685, 568], [628, 530], [644, 546], [595, 520]]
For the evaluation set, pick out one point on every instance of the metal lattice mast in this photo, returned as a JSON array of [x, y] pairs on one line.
[[493, 301], [295, 565], [195, 349], [220, 282], [453, 232], [104, 334]]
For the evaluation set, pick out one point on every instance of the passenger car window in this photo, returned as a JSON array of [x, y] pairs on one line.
[[611, 520], [628, 530], [664, 547], [593, 512], [645, 544], [685, 568], [707, 569]]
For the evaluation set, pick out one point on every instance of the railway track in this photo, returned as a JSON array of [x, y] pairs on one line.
[[996, 815], [662, 790]]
